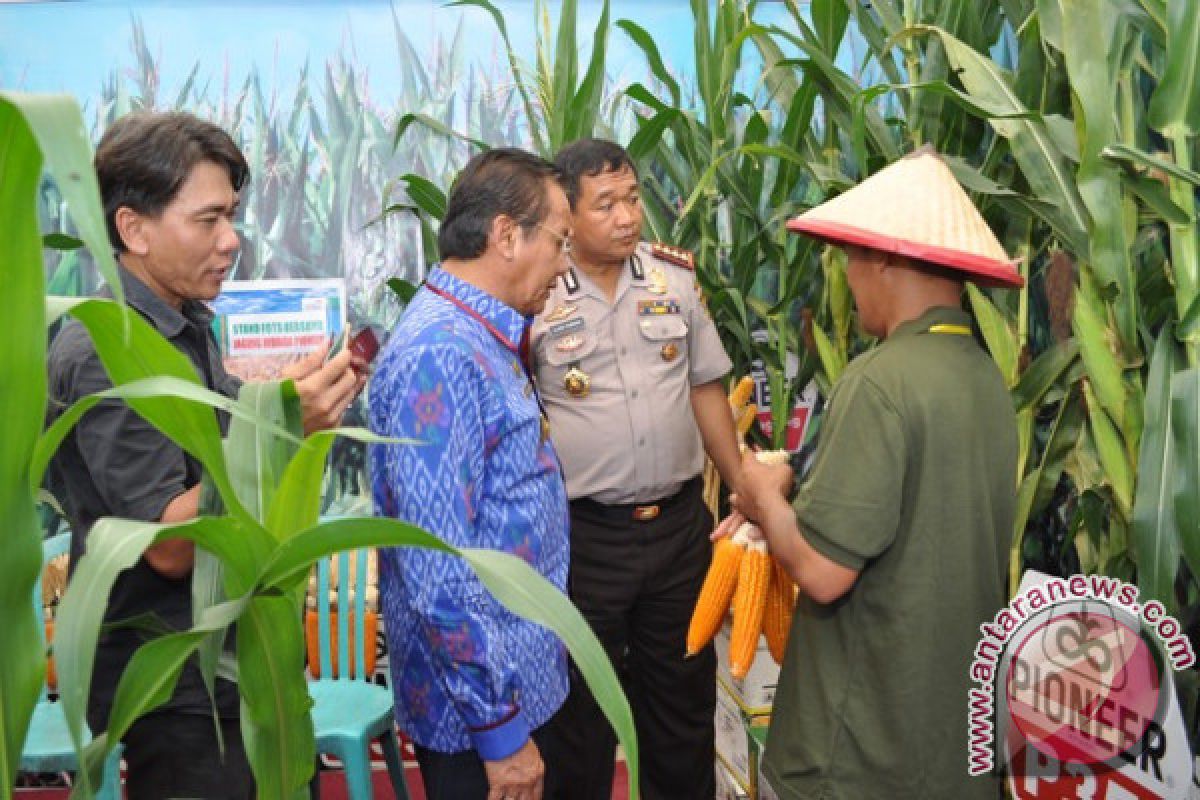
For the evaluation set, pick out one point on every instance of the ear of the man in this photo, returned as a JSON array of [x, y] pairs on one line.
[[132, 227], [504, 235]]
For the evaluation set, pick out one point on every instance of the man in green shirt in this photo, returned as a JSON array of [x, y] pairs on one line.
[[898, 537]]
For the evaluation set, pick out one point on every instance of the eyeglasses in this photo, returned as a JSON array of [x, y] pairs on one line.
[[564, 242]]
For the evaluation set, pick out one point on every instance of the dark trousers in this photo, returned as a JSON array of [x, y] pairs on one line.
[[461, 776], [636, 583], [176, 755]]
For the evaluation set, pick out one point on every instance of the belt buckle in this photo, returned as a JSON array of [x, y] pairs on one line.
[[646, 513]]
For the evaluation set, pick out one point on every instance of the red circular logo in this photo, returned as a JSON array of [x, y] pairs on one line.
[[1083, 686]]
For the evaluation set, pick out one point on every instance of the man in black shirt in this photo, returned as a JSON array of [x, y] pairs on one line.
[[170, 186]]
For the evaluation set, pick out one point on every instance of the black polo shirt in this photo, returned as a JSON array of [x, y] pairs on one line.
[[116, 464]]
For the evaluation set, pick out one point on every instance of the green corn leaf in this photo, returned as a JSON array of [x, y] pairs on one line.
[[426, 194], [257, 457], [296, 506], [404, 290], [829, 22], [1042, 374], [1184, 434], [650, 132], [639, 93], [1111, 452], [22, 405], [406, 121], [584, 107], [1049, 16], [163, 386], [1155, 537], [280, 742], [293, 557], [1042, 163], [149, 678], [1068, 426], [1189, 326], [115, 545], [139, 352], [1158, 199], [1001, 341], [1124, 154], [833, 362], [526, 593], [63, 139], [645, 42], [1038, 486], [1089, 27], [513, 582], [61, 241], [1175, 105], [1104, 372]]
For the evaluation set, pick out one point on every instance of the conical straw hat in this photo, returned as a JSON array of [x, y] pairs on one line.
[[915, 208]]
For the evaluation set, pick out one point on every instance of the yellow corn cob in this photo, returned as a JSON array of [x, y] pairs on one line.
[[777, 619], [746, 419], [718, 587], [741, 393], [749, 603]]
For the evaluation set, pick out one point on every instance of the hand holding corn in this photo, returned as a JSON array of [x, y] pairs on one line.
[[742, 571]]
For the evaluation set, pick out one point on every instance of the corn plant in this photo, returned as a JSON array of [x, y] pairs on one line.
[[1093, 192], [265, 537]]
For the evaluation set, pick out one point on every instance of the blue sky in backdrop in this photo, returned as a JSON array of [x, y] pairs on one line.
[[73, 46]]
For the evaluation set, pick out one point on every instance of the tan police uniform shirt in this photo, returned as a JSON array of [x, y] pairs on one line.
[[632, 438]]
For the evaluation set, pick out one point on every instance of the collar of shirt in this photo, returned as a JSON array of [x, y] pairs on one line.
[[938, 315], [169, 322], [502, 320], [588, 287]]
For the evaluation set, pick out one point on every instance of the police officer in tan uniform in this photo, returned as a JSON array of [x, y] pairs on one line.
[[629, 366]]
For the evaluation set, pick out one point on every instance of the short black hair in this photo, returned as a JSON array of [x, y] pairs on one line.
[[590, 157], [144, 158], [505, 180]]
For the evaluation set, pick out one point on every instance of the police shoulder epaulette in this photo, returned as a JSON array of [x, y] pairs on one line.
[[674, 255]]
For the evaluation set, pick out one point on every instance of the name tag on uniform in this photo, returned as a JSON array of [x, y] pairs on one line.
[[653, 308], [566, 326]]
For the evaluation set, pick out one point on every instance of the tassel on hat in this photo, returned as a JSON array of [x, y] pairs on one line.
[[915, 208]]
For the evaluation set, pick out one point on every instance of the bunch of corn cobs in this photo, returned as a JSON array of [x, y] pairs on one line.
[[744, 572]]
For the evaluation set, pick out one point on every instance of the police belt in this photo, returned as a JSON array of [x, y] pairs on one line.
[[625, 513]]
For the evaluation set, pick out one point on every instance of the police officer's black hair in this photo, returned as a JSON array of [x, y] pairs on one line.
[[590, 157], [144, 158], [501, 181]]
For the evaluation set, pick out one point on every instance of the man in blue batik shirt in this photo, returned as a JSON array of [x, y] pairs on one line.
[[475, 685]]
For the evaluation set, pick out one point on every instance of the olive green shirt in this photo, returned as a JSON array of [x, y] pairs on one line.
[[913, 484], [632, 437]]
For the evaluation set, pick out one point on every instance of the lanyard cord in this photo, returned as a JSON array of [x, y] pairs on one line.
[[521, 351]]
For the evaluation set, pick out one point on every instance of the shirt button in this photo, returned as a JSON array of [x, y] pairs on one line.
[[623, 351], [633, 393], [642, 442]]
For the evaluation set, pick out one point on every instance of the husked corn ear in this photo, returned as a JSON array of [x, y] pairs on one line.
[[749, 603], [718, 587], [773, 457], [746, 419], [741, 393], [781, 602]]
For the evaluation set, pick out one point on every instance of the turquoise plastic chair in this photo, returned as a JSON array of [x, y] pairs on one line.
[[48, 746], [349, 711]]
